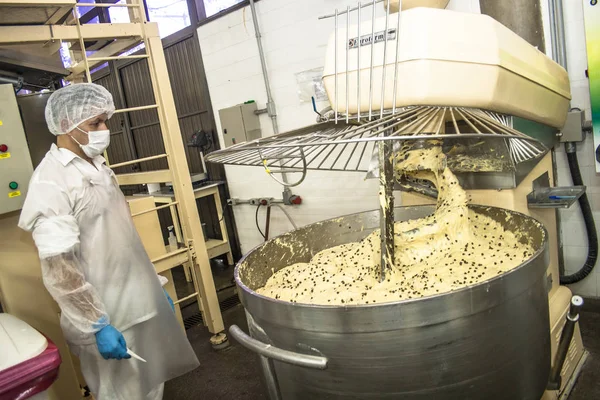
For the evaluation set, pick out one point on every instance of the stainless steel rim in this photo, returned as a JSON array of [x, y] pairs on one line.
[[499, 278]]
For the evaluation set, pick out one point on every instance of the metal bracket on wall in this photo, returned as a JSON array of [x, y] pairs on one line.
[[292, 200], [545, 196]]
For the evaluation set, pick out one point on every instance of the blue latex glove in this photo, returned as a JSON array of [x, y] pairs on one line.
[[169, 299], [111, 343]]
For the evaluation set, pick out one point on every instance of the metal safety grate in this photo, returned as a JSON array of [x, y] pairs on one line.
[[349, 147]]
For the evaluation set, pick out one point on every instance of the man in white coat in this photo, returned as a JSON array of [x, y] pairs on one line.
[[93, 262]]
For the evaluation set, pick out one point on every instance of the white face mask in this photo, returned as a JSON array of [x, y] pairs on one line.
[[98, 141]]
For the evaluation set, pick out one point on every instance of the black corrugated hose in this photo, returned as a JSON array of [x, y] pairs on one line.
[[588, 218]]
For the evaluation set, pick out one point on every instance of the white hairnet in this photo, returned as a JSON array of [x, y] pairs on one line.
[[70, 106]]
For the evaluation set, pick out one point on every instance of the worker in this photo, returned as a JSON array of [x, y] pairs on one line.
[[93, 262]]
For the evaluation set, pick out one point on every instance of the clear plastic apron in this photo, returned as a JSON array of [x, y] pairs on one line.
[[115, 262]]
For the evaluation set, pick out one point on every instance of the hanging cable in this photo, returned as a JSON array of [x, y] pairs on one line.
[[289, 217], [588, 219], [256, 221]]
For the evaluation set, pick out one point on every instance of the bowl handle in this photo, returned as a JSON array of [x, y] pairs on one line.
[[275, 353]]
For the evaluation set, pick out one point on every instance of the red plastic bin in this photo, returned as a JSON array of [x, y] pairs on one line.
[[30, 377]]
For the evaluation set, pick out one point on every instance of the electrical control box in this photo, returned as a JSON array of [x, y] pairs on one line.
[[240, 124], [573, 129], [15, 162]]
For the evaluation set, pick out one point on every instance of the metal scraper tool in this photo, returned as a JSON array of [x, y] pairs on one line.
[[132, 354]]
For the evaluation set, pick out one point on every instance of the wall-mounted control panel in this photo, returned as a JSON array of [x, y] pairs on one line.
[[240, 123], [15, 162]]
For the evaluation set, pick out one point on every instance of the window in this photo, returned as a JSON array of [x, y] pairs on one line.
[[171, 15], [91, 14], [119, 15], [98, 68], [65, 55], [212, 7], [81, 11], [133, 49]]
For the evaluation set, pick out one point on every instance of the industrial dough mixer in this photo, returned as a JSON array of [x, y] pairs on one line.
[[396, 81]]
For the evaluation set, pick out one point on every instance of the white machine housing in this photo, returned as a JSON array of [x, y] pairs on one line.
[[479, 63], [408, 4]]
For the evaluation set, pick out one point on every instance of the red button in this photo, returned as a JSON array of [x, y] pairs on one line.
[[3, 148]]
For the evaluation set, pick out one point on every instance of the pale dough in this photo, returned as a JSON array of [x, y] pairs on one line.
[[451, 249]]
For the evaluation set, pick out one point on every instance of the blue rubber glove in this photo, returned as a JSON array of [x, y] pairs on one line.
[[169, 299], [111, 343]]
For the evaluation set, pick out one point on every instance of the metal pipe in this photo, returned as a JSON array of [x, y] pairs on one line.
[[335, 67], [271, 109], [289, 217], [352, 9], [554, 382], [396, 58], [559, 55], [384, 66], [237, 202], [386, 206], [5, 79], [268, 222], [347, 47], [270, 103], [358, 70], [371, 65], [557, 32], [560, 25], [268, 367], [275, 353], [553, 30], [270, 378]]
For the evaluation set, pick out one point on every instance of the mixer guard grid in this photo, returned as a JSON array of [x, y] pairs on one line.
[[350, 147]]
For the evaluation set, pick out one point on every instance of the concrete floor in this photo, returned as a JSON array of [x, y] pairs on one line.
[[233, 374], [230, 374]]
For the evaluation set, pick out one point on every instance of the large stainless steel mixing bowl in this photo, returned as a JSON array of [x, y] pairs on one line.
[[488, 341]]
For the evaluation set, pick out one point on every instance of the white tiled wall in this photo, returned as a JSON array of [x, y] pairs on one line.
[[294, 41]]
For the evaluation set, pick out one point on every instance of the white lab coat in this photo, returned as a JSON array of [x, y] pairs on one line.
[[115, 263]]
